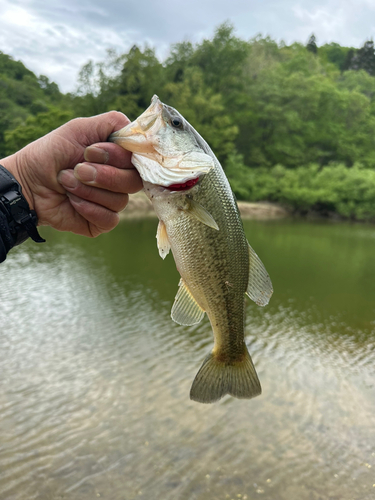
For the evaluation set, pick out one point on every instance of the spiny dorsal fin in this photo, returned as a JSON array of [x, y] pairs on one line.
[[185, 310], [162, 240], [259, 288], [196, 210]]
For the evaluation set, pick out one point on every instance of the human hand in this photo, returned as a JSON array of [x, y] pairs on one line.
[[73, 179]]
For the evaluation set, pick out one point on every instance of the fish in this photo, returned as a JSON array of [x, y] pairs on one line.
[[200, 223]]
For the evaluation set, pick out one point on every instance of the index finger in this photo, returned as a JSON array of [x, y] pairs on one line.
[[108, 153]]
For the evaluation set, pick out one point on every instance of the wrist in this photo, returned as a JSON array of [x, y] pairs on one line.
[[14, 166], [20, 222]]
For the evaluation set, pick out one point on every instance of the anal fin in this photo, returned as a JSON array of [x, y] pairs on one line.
[[185, 310]]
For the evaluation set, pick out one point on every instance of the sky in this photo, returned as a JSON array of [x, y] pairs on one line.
[[57, 37]]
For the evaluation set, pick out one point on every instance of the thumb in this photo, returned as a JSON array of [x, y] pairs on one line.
[[97, 128]]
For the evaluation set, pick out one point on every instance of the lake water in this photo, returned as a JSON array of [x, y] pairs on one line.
[[95, 376]]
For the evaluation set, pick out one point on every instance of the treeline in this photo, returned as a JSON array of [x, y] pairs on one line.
[[293, 124]]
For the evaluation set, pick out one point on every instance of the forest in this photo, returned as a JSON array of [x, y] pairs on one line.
[[293, 124]]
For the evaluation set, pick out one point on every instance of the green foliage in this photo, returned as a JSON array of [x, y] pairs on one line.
[[274, 104], [336, 54], [23, 95], [95, 89], [293, 124], [204, 109], [239, 176], [13, 70], [35, 127], [221, 60], [363, 58], [311, 45], [140, 76], [348, 192]]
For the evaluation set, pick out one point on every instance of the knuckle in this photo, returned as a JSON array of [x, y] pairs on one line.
[[116, 119], [107, 178], [114, 115], [84, 191]]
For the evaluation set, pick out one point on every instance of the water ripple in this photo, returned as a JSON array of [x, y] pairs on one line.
[[95, 383]]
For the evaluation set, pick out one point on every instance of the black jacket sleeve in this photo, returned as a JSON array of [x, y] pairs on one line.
[[6, 240], [17, 221]]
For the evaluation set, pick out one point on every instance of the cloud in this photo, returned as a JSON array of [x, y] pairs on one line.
[[56, 46], [346, 22], [57, 37]]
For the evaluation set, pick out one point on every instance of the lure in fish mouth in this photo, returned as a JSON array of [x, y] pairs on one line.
[[200, 223]]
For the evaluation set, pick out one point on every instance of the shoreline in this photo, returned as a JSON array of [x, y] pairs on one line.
[[139, 206]]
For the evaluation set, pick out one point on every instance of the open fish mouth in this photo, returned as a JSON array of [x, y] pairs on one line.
[[184, 186], [151, 139], [138, 136]]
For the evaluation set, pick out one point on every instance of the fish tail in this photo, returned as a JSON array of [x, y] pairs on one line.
[[216, 378]]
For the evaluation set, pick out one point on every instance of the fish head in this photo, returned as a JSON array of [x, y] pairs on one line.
[[166, 148]]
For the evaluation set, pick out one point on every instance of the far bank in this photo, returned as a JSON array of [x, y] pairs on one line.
[[140, 206]]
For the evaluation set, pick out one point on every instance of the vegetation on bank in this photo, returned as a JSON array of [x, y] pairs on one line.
[[291, 124]]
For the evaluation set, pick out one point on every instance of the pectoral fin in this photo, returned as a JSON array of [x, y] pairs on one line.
[[162, 240], [259, 288], [185, 310], [196, 210]]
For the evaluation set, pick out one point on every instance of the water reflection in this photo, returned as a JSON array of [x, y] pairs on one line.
[[95, 375]]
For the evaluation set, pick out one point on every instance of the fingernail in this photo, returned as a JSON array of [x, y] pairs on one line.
[[66, 178], [96, 155], [85, 172], [74, 198]]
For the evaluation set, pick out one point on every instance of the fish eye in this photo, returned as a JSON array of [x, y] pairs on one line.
[[176, 122]]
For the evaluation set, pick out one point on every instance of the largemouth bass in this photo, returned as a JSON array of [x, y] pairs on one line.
[[200, 222]]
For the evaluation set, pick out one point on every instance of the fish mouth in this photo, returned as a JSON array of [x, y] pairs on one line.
[[159, 158], [183, 186], [138, 136]]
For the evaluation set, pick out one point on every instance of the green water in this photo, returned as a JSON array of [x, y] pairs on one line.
[[95, 376]]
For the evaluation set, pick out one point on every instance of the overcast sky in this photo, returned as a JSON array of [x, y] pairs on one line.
[[56, 37]]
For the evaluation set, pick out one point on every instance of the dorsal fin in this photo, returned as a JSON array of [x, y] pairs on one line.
[[259, 288]]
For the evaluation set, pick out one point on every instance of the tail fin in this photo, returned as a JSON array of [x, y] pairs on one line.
[[217, 378]]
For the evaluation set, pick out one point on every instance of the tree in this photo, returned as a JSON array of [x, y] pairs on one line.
[[23, 94], [311, 44], [179, 59], [221, 60], [337, 55], [34, 127], [290, 123], [204, 109], [364, 58], [141, 77], [348, 59]]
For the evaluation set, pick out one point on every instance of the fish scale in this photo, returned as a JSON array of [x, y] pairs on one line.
[[219, 278], [202, 227]]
